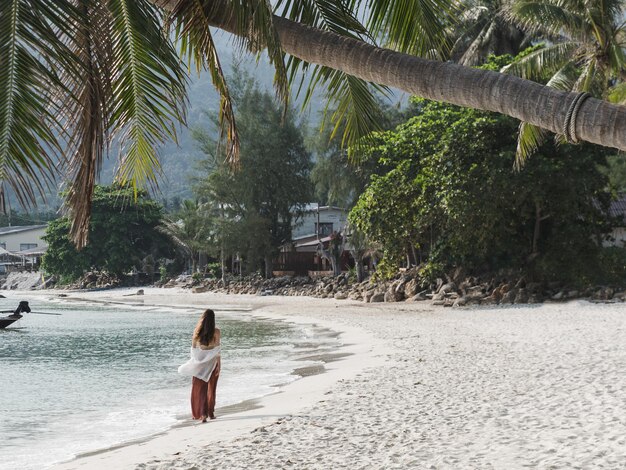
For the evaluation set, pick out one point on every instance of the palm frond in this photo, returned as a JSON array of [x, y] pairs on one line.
[[337, 16], [529, 139], [355, 105], [617, 94], [254, 18], [192, 28], [353, 99], [412, 26], [551, 16], [30, 126], [543, 62], [87, 113], [148, 89]]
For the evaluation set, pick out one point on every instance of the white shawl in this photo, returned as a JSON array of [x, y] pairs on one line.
[[201, 363]]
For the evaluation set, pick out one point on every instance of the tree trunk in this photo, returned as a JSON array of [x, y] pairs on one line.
[[360, 274], [598, 121], [537, 231], [268, 266]]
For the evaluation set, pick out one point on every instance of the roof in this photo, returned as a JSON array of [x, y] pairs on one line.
[[618, 207], [37, 251], [8, 253], [20, 228], [313, 207]]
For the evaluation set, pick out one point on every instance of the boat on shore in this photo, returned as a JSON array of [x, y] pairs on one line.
[[15, 314]]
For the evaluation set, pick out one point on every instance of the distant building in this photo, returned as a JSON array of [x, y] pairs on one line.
[[22, 238], [320, 220], [618, 234], [314, 227]]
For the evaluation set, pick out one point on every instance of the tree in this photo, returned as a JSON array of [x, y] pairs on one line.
[[190, 229], [254, 208], [484, 29], [586, 53], [447, 187], [123, 232], [78, 72]]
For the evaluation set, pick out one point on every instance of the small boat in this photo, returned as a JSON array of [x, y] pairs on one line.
[[15, 315]]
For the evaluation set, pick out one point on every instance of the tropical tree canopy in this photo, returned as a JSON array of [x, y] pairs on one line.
[[445, 179], [78, 74], [123, 232], [584, 52]]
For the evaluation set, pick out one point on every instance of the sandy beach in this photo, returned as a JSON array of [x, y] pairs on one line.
[[421, 387]]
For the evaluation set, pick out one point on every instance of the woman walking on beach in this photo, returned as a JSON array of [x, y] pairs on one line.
[[204, 366]]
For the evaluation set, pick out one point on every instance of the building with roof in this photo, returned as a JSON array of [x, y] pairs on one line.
[[22, 237], [319, 220], [617, 236]]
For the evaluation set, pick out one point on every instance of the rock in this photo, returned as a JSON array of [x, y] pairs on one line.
[[437, 297], [341, 296], [377, 297], [197, 289], [460, 302], [411, 288], [491, 300], [521, 297], [438, 302], [140, 292], [508, 297], [417, 298], [558, 296], [394, 295], [447, 288]]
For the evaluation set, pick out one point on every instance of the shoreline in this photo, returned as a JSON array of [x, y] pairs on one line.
[[524, 386], [235, 420]]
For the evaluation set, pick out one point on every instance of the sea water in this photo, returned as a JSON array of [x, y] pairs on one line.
[[101, 375]]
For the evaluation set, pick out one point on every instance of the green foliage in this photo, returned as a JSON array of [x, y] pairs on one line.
[[214, 270], [252, 209], [446, 186], [123, 233], [163, 273]]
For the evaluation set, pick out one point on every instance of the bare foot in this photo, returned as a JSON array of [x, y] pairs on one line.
[[204, 419]]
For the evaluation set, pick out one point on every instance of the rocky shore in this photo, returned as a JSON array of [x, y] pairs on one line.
[[456, 290]]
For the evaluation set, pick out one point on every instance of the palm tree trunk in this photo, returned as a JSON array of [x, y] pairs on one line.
[[598, 121]]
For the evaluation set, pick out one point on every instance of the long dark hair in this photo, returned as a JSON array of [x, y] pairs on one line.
[[205, 330]]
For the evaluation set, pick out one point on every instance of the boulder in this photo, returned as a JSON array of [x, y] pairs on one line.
[[447, 288], [377, 297], [341, 296], [411, 288]]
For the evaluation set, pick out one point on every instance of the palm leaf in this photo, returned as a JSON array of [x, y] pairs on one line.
[[531, 137], [543, 62], [87, 113], [413, 26], [254, 19], [352, 99], [552, 16], [148, 89], [29, 125], [192, 28]]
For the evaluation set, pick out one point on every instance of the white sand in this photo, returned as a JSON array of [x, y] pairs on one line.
[[426, 387]]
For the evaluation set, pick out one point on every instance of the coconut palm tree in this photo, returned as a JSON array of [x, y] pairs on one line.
[[77, 74], [484, 28], [584, 52]]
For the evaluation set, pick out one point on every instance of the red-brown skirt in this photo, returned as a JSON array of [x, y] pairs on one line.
[[203, 395]]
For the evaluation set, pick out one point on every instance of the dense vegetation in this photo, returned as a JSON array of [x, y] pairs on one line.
[[123, 235]]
